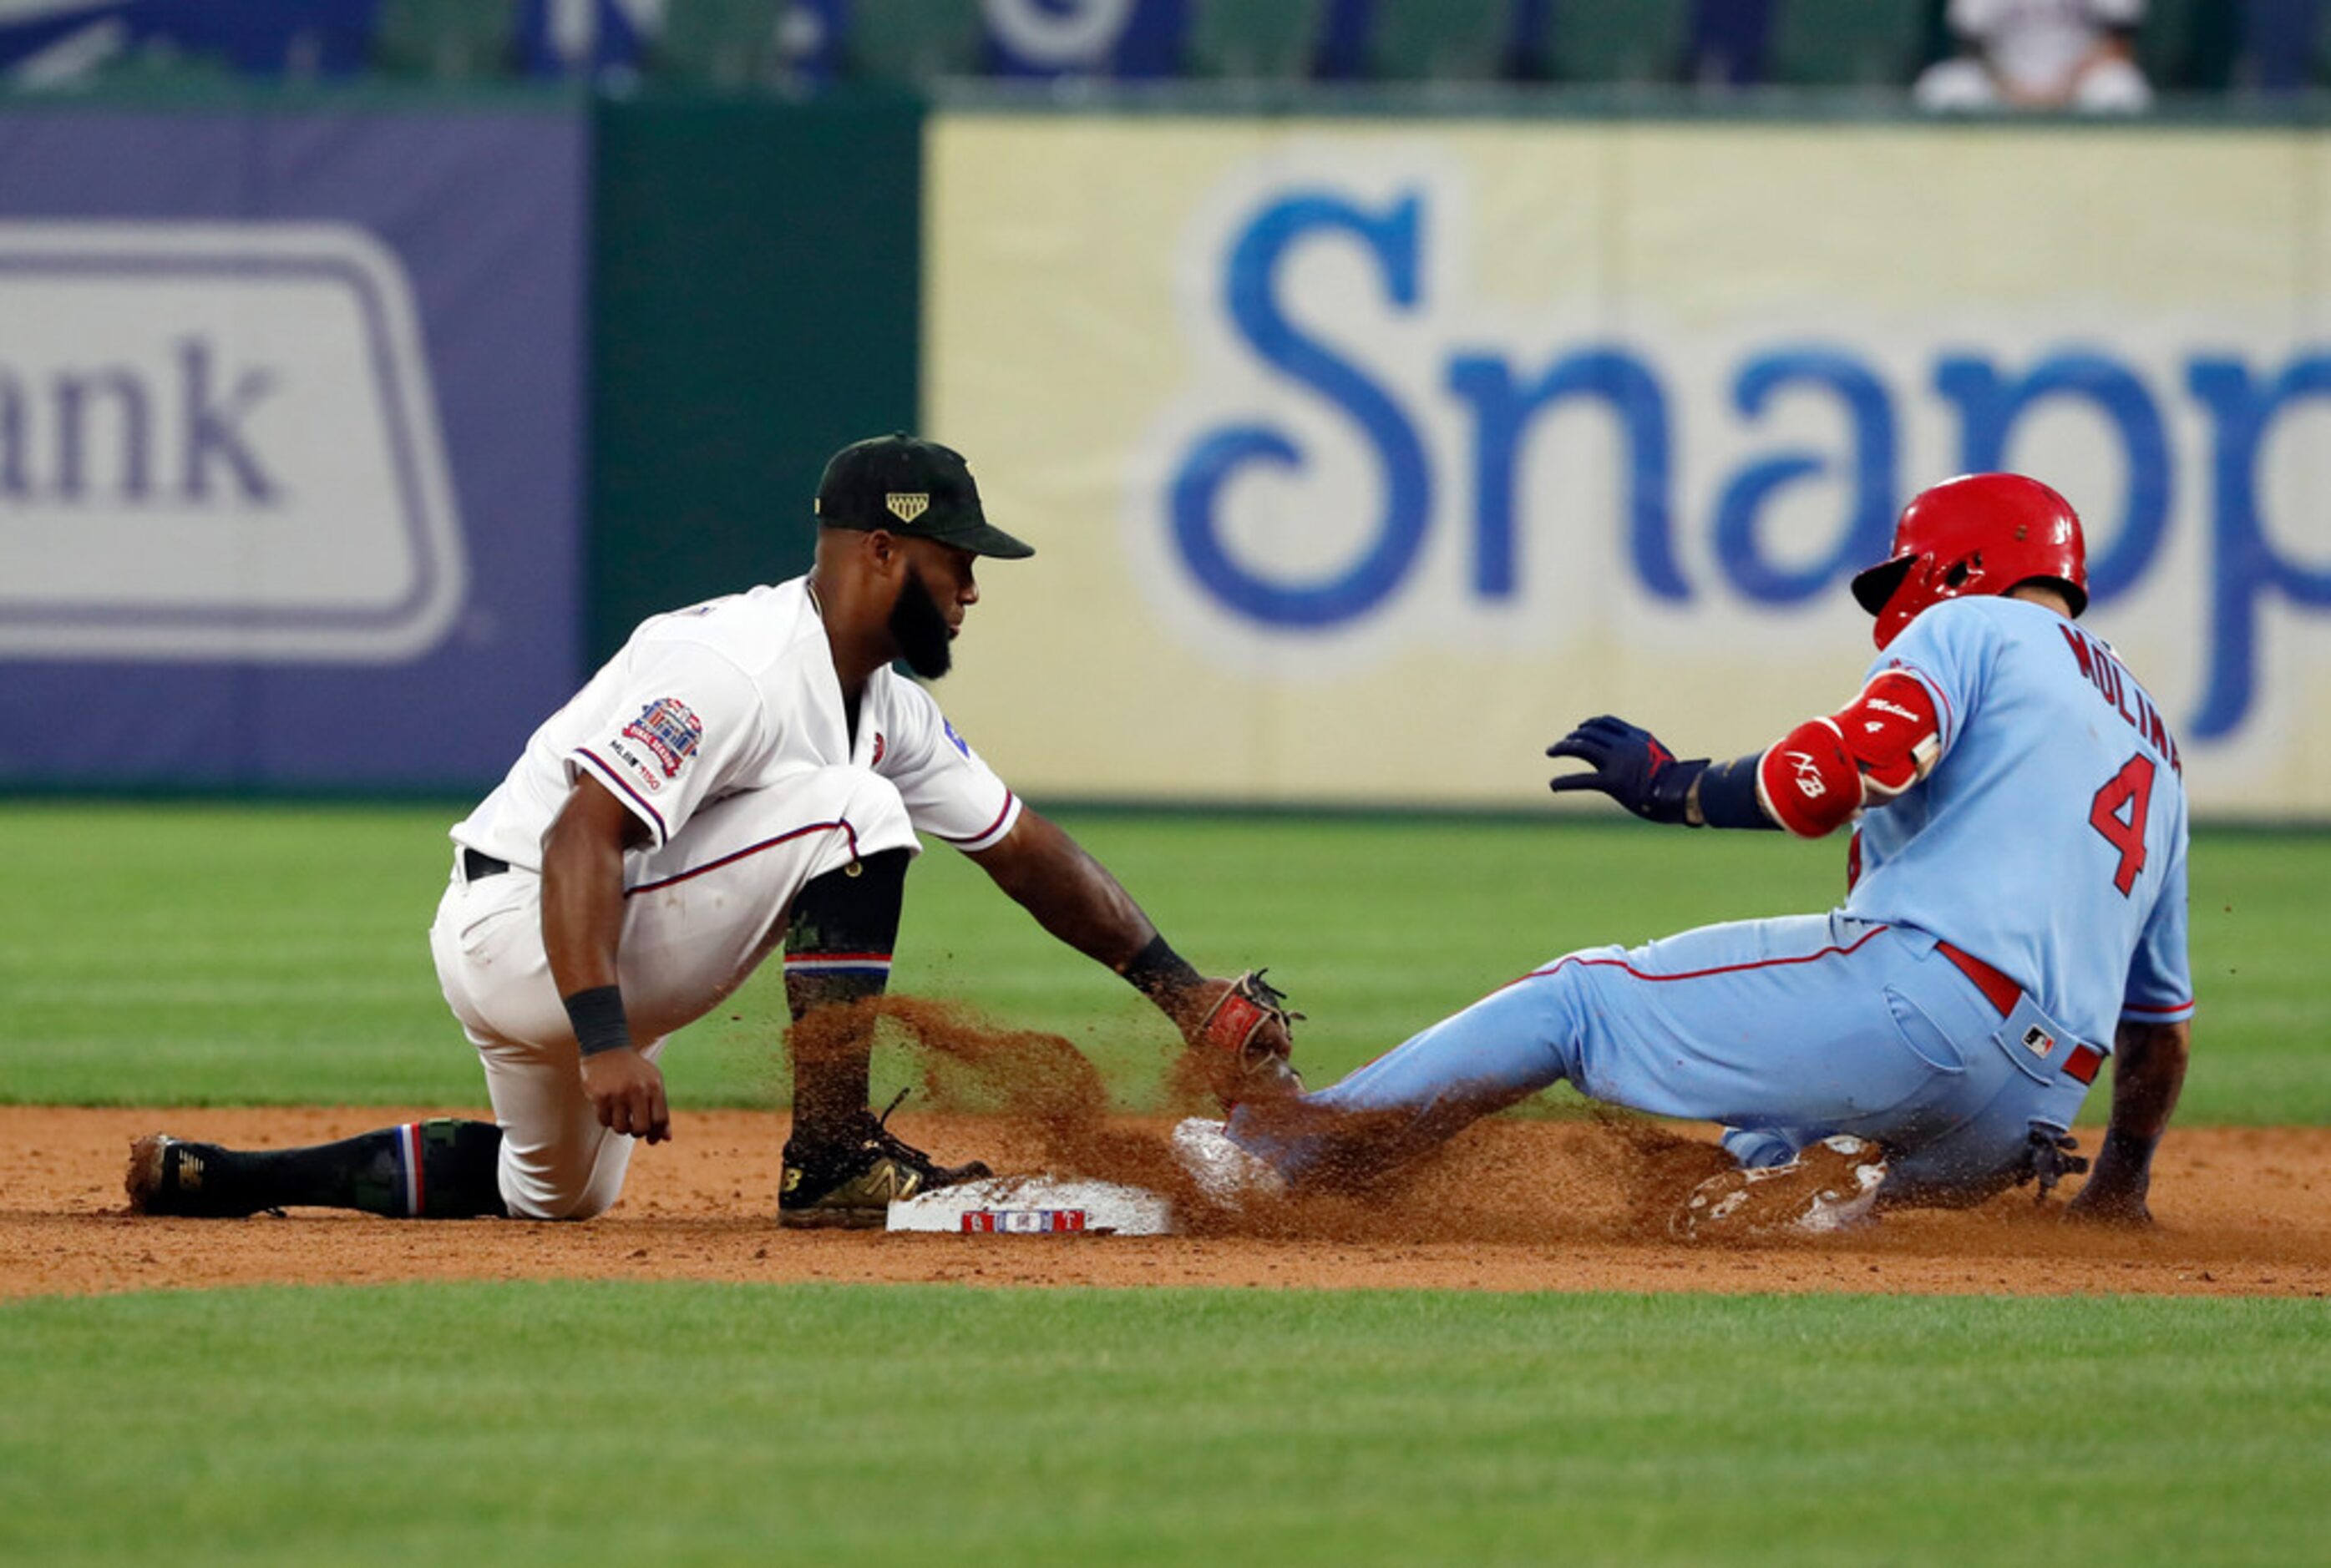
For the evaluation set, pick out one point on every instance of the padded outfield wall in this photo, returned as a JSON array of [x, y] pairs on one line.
[[1364, 457], [1363, 454], [755, 276], [342, 434], [291, 439]]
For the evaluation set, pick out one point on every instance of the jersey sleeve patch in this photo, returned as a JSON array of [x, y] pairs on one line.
[[647, 761], [669, 732], [651, 751]]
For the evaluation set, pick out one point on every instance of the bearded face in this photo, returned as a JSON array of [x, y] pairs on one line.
[[920, 628]]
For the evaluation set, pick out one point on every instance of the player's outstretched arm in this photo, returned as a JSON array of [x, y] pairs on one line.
[[1071, 895], [1811, 781], [1075, 898], [2149, 1071], [581, 930]]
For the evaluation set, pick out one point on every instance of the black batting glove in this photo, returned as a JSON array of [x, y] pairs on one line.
[[2048, 1159], [1629, 766]]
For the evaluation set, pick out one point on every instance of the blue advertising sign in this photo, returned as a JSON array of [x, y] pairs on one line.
[[1416, 456], [48, 43], [1047, 38], [289, 444]]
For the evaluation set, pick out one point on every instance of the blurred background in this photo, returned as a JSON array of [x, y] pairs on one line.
[[1386, 385]]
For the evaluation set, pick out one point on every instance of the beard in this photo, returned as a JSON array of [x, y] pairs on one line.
[[920, 630]]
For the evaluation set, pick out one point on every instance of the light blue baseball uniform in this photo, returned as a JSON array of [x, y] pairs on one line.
[[2047, 841]]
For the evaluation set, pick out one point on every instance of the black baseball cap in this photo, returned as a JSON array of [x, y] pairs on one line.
[[914, 488]]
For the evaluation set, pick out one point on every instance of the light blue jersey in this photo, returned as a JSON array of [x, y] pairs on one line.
[[2050, 838], [2047, 841]]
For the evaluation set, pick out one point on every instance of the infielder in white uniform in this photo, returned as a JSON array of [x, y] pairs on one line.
[[747, 772]]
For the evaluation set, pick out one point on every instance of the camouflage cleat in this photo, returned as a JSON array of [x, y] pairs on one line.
[[170, 1176], [1831, 1185], [848, 1184]]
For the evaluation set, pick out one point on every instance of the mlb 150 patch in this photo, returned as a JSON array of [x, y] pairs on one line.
[[668, 729]]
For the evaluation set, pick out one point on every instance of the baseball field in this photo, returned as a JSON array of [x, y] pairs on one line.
[[1504, 1359]]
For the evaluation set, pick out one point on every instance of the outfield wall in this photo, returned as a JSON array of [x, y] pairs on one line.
[[337, 444], [1363, 455], [1363, 458], [755, 269], [291, 431]]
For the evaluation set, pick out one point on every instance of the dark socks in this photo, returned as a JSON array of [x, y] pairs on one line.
[[434, 1170], [838, 947]]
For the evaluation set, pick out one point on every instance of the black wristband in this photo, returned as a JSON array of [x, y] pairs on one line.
[[1668, 797], [597, 1015], [1728, 795], [1158, 971]]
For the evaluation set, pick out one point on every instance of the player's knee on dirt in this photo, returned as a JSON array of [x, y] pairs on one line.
[[576, 1176]]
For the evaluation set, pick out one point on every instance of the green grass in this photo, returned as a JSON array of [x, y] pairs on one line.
[[815, 1424], [213, 953]]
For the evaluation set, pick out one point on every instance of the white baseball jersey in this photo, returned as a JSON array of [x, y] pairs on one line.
[[2036, 44], [733, 694]]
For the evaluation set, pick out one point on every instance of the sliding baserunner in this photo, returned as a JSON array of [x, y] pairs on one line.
[[2016, 915]]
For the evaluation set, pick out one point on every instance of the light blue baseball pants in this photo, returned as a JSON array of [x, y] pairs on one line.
[[1783, 1030]]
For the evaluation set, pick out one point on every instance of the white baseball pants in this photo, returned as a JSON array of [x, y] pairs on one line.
[[700, 914]]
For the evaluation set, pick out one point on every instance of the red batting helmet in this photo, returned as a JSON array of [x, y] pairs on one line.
[[1977, 535]]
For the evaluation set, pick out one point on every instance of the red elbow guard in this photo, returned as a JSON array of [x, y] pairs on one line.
[[1809, 783], [1892, 732], [1826, 769]]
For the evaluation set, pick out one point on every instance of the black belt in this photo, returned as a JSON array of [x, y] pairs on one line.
[[477, 863]]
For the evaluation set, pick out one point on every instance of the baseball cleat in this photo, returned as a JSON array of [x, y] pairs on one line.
[[171, 1176], [848, 1184], [1226, 1174], [1831, 1186]]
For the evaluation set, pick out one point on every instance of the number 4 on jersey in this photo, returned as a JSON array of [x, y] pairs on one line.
[[2119, 813]]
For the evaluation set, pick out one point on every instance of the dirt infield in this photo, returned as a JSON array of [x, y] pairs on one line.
[[1512, 1206]]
